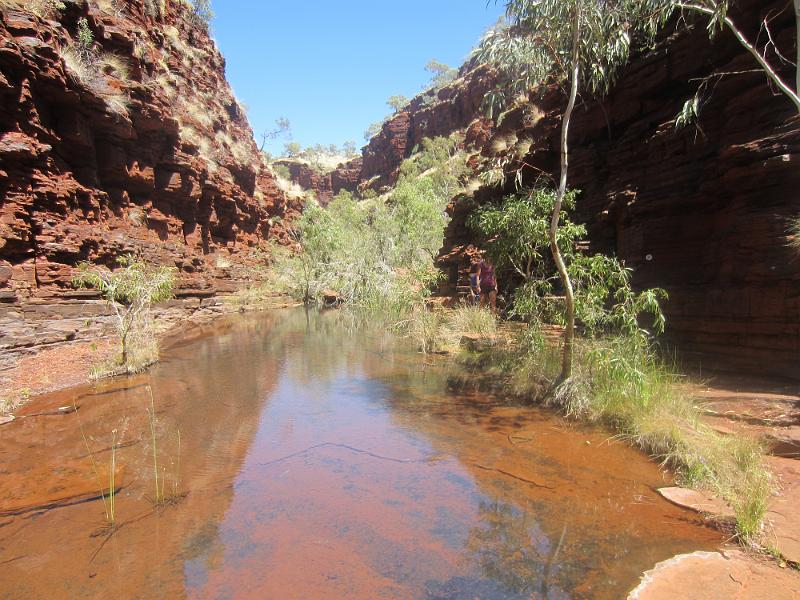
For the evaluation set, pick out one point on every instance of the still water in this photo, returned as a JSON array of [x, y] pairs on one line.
[[301, 458]]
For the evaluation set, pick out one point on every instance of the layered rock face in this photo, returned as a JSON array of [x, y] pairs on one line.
[[132, 143], [346, 176], [701, 211]]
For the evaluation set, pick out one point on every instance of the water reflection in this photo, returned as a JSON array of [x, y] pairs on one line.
[[325, 459], [510, 547]]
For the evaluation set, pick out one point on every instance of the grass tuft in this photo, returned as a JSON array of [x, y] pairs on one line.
[[103, 76], [623, 383]]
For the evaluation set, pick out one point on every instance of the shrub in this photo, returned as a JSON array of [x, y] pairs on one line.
[[282, 171], [85, 38], [377, 254], [517, 239], [202, 13], [131, 290]]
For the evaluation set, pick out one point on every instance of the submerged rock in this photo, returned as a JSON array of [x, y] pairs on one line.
[[699, 501]]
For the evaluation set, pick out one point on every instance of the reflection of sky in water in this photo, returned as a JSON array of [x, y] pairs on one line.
[[322, 463], [342, 405], [349, 480]]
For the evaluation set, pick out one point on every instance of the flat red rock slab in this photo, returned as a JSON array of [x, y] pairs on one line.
[[784, 441], [702, 502], [717, 576], [783, 514]]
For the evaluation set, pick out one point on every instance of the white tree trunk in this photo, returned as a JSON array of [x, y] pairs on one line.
[[569, 330], [797, 43]]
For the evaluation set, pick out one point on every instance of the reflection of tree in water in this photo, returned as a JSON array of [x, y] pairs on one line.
[[510, 547], [319, 346]]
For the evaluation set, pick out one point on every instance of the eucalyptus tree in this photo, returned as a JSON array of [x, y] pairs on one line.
[[577, 45], [397, 102]]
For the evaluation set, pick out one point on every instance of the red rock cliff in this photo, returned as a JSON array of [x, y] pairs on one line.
[[141, 147], [701, 211]]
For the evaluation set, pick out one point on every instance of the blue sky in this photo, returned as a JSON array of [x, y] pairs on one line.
[[329, 66]]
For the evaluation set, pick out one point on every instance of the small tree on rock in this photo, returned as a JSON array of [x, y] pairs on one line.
[[441, 74], [292, 149], [397, 102], [131, 290], [202, 13]]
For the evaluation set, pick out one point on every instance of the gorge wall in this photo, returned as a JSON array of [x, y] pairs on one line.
[[701, 211], [141, 148], [133, 143]]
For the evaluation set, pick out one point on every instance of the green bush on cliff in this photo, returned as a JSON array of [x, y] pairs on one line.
[[131, 290], [377, 254], [202, 13]]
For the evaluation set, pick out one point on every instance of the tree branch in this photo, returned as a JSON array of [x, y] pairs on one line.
[[770, 72]]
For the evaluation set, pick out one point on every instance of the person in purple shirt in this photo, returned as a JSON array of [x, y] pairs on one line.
[[488, 285]]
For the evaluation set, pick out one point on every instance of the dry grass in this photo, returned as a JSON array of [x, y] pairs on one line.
[[167, 85], [503, 142], [142, 352], [443, 330], [155, 8], [189, 134], [207, 154], [45, 9], [140, 50], [622, 383], [115, 65], [199, 113], [243, 153], [114, 8], [90, 74], [76, 65], [291, 190]]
